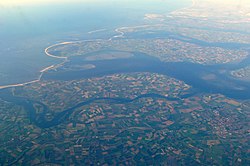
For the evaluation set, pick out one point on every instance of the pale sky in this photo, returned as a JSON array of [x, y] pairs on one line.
[[7, 3], [32, 2]]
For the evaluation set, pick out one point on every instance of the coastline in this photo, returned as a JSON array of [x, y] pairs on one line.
[[120, 34], [42, 71]]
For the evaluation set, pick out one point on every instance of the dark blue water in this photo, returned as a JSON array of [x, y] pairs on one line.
[[190, 73]]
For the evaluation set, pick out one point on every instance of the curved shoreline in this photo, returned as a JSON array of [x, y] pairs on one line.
[[120, 34], [121, 31], [54, 45], [46, 68], [46, 51], [42, 71]]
